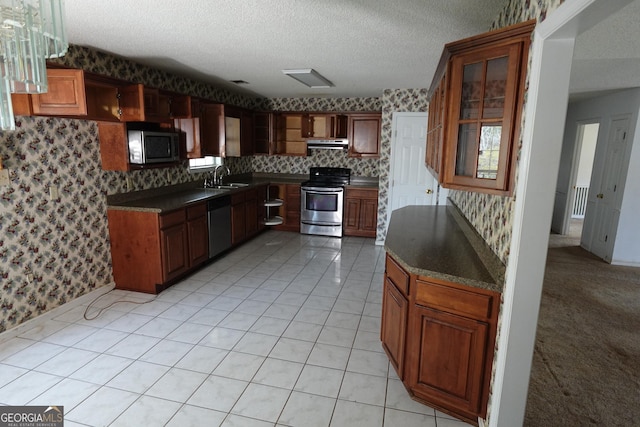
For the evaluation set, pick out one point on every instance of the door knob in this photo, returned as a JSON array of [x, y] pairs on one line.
[[600, 196], [429, 191]]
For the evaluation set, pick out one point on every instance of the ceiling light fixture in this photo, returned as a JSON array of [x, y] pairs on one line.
[[309, 77], [30, 32]]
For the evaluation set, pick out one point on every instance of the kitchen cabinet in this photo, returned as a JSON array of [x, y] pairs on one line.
[[246, 213], [174, 244], [326, 126], [217, 130], [440, 338], [291, 131], [238, 218], [395, 310], [246, 133], [290, 209], [197, 234], [360, 212], [364, 135], [263, 141], [483, 79], [435, 123], [76, 93], [150, 251], [212, 129]]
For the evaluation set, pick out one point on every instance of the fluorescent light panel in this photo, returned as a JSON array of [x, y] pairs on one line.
[[309, 77]]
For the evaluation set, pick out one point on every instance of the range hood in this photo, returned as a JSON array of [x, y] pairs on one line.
[[327, 144]]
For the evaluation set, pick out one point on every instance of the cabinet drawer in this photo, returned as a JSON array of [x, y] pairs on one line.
[[172, 218], [196, 211], [363, 193], [397, 275], [468, 303]]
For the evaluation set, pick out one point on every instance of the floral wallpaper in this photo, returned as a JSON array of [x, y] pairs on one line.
[[51, 250], [393, 100]]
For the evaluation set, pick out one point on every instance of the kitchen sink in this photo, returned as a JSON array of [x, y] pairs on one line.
[[230, 186]]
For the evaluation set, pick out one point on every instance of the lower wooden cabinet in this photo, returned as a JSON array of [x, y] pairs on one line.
[[360, 212], [393, 329], [246, 213], [440, 337], [238, 218], [150, 250], [290, 209], [174, 244]]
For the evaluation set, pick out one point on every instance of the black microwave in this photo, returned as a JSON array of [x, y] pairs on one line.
[[153, 146]]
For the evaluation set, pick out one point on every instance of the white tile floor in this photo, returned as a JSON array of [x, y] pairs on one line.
[[282, 331]]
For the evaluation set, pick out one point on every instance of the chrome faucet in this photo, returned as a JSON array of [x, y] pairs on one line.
[[217, 180]]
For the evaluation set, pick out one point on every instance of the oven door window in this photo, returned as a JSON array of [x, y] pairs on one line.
[[322, 202]]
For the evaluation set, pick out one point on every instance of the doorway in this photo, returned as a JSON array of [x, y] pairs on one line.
[[410, 182]]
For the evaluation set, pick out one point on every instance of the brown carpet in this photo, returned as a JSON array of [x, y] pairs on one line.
[[586, 364]]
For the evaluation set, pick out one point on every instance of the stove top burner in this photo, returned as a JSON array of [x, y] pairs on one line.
[[328, 177]]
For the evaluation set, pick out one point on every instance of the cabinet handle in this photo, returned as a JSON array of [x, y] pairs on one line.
[[429, 191], [600, 196]]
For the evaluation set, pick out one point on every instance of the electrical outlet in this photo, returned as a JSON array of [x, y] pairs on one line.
[[129, 184], [53, 192], [4, 177], [30, 277]]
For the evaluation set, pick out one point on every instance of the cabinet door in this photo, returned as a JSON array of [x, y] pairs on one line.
[[433, 150], [132, 103], [484, 89], [364, 135], [394, 325], [191, 129], [352, 207], [65, 95], [369, 215], [293, 207], [238, 218], [246, 133], [114, 152], [263, 133], [198, 235], [212, 129], [174, 251], [251, 212], [446, 359]]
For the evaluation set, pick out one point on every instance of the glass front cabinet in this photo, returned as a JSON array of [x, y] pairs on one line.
[[476, 120]]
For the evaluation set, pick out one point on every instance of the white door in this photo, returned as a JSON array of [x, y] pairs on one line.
[[411, 183], [604, 201]]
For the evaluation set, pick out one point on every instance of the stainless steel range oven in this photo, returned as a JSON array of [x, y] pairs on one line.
[[322, 201]]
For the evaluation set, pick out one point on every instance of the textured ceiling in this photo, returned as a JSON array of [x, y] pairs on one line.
[[362, 46], [607, 57]]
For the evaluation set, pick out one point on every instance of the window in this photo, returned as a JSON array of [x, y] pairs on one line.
[[204, 164]]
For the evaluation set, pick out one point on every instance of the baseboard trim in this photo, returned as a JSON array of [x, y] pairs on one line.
[[31, 323]]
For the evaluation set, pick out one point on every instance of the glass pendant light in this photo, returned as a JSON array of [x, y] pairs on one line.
[[30, 32]]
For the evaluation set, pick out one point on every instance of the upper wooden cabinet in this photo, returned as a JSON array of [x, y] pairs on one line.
[[475, 107], [291, 131], [73, 92], [326, 126], [217, 130], [263, 141], [364, 135]]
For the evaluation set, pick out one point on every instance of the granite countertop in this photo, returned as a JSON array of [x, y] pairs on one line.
[[174, 197], [437, 241]]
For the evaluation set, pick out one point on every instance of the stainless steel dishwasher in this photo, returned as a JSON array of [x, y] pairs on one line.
[[219, 218]]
